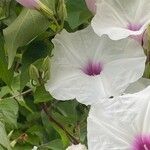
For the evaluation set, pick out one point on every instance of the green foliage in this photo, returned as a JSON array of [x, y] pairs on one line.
[[34, 51], [53, 145], [4, 8], [24, 29], [5, 74], [48, 121], [7, 114], [29, 115], [41, 95], [4, 141], [77, 13]]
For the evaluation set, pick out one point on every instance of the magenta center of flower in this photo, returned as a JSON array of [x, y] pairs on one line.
[[134, 27], [92, 68], [141, 142]]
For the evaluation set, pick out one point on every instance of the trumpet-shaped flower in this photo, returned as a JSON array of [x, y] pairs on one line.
[[32, 4], [122, 18], [121, 123], [90, 68], [91, 5], [77, 147]]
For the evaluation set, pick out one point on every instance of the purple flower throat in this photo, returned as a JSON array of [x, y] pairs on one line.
[[134, 27], [141, 142], [92, 68]]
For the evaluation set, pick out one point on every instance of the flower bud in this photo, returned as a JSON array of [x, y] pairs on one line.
[[32, 4], [77, 147], [91, 5], [46, 65], [34, 73], [42, 8], [61, 10]]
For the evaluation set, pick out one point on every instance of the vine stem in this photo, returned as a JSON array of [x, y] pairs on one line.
[[51, 119], [20, 94]]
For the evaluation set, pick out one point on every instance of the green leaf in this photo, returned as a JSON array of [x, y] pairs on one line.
[[50, 3], [23, 147], [5, 74], [53, 145], [22, 102], [77, 13], [4, 91], [35, 51], [38, 131], [67, 112], [9, 112], [4, 141], [52, 133], [28, 25], [41, 95], [59, 130], [68, 109], [4, 8], [33, 139], [1, 148]]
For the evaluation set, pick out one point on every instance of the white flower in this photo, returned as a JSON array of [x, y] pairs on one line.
[[90, 68], [122, 123], [122, 18], [77, 147]]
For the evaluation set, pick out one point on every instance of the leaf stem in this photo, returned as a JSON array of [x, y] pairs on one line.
[[20, 94], [73, 139]]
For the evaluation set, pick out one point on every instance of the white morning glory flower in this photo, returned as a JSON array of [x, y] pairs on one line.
[[122, 18], [89, 68], [122, 123], [77, 147]]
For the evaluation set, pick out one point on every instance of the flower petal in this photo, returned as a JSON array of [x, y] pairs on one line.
[[142, 11], [120, 64], [114, 16], [122, 72], [114, 124], [84, 89]]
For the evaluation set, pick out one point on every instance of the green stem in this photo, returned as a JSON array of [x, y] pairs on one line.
[[73, 139], [20, 94]]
